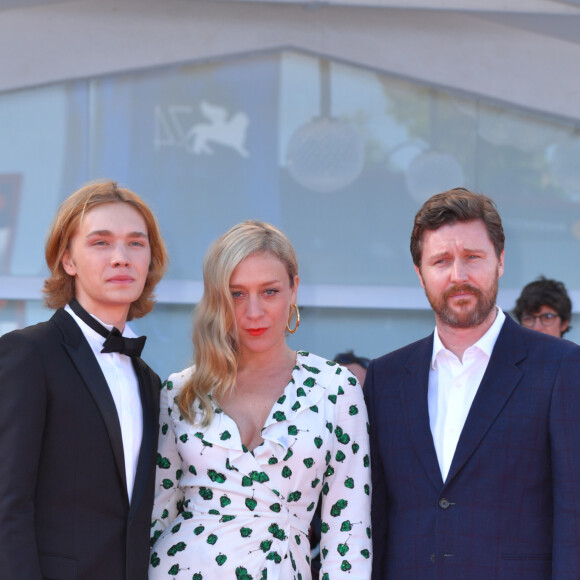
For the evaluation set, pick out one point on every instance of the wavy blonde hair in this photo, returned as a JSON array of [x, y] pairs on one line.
[[215, 334], [59, 287]]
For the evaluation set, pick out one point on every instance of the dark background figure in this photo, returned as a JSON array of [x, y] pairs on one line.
[[475, 437], [78, 412], [545, 306]]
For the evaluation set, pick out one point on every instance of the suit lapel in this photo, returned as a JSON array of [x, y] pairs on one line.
[[414, 393], [498, 383], [84, 360], [150, 431]]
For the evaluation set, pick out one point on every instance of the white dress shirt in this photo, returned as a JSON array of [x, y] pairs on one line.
[[124, 386], [453, 384]]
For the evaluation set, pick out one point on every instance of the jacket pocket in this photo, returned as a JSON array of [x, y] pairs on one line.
[[58, 567]]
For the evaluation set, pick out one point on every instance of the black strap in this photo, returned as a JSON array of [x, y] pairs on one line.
[[114, 340]]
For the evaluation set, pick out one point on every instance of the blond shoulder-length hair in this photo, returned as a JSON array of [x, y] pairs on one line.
[[215, 335], [59, 287]]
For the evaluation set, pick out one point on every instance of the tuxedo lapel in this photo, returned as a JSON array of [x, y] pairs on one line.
[[84, 360], [414, 393], [496, 387], [148, 393]]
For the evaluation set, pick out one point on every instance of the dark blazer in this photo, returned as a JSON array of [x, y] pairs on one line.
[[510, 507], [64, 508]]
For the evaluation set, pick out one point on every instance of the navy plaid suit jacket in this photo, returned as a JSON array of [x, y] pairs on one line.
[[510, 507]]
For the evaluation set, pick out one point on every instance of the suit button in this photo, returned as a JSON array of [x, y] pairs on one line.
[[432, 558], [444, 503]]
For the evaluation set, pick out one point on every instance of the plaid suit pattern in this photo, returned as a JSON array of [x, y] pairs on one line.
[[510, 507]]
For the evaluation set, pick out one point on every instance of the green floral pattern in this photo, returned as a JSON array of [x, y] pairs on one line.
[[224, 512]]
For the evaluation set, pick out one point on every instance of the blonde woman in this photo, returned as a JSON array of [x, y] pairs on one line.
[[255, 433]]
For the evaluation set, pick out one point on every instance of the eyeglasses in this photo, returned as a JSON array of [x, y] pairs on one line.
[[546, 319]]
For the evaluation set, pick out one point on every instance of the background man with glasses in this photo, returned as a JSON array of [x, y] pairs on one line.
[[545, 306]]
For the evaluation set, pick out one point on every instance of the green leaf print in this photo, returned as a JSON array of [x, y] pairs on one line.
[[274, 556], [342, 549], [310, 507], [289, 454], [349, 483], [308, 462], [251, 503], [279, 416], [164, 428], [353, 410], [346, 526], [206, 493], [221, 559], [276, 507], [179, 547], [342, 437], [367, 489], [272, 461], [309, 382], [225, 436], [168, 384], [294, 496], [324, 527], [292, 430], [183, 438], [277, 532], [212, 539], [365, 553], [340, 456], [355, 448], [345, 566], [314, 408], [155, 560], [337, 508], [197, 576], [215, 476], [176, 528], [296, 406], [366, 461], [192, 470], [242, 574], [163, 462], [167, 484], [312, 370], [281, 400], [198, 530], [179, 474], [259, 476], [332, 399], [246, 532], [300, 392], [187, 515], [265, 545], [155, 537], [286, 472], [174, 570], [224, 519], [318, 442], [329, 426], [225, 501], [246, 481]]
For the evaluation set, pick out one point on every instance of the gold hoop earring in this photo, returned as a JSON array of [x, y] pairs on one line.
[[295, 308]]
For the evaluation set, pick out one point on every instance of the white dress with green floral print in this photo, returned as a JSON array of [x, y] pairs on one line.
[[223, 512]]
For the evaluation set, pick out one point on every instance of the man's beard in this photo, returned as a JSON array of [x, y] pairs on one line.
[[458, 317]]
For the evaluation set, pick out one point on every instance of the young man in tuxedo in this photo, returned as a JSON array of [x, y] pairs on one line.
[[78, 406], [475, 437]]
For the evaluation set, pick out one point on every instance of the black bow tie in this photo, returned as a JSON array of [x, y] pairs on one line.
[[114, 340]]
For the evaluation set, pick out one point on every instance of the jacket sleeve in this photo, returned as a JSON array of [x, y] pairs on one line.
[[378, 504], [23, 402], [168, 493], [345, 542], [565, 452]]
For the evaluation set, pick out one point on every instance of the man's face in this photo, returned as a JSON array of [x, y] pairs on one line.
[[109, 257], [460, 272], [545, 320]]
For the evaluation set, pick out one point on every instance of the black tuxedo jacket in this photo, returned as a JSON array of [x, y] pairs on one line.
[[510, 506], [64, 509]]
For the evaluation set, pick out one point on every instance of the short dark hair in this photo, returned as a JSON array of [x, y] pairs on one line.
[[452, 206], [348, 358], [544, 292]]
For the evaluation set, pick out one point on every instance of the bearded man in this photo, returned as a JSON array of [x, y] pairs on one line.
[[475, 437]]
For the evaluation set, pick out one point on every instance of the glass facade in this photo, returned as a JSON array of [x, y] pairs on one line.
[[339, 157]]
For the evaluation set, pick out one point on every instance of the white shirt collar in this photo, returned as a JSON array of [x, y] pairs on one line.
[[485, 344]]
